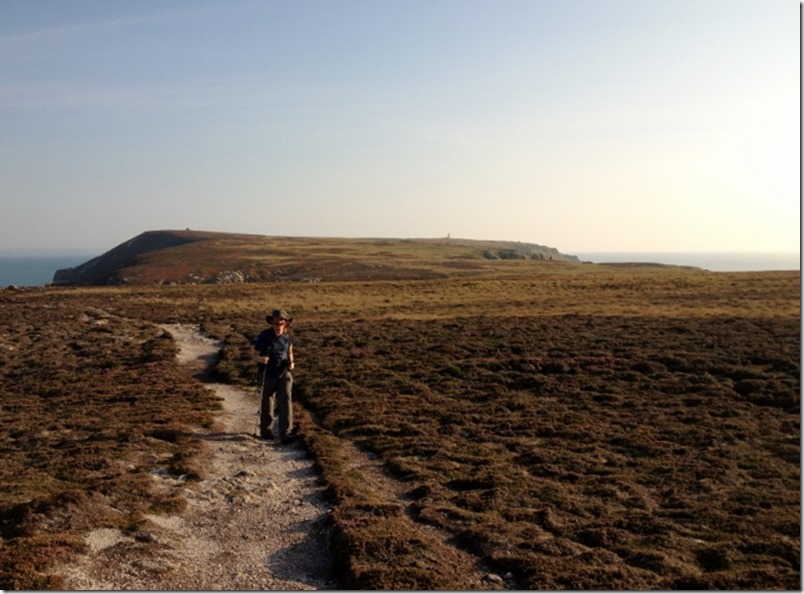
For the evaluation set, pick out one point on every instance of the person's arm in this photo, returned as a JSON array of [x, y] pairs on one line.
[[259, 358], [256, 354], [291, 363]]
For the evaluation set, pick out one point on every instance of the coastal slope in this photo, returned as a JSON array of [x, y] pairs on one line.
[[195, 257]]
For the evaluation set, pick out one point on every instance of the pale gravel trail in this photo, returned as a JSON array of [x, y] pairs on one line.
[[255, 521]]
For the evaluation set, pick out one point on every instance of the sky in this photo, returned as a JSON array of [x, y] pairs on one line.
[[584, 125]]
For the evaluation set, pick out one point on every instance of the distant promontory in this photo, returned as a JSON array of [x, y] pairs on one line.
[[195, 257]]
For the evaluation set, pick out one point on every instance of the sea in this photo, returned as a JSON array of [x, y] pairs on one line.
[[37, 270], [714, 261]]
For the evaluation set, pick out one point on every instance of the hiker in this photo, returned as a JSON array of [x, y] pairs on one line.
[[273, 350]]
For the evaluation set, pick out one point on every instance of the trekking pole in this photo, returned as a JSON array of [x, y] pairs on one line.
[[259, 395]]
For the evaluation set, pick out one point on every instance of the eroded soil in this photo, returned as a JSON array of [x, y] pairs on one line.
[[255, 520]]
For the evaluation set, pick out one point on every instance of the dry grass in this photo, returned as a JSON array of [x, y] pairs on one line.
[[197, 257], [91, 404], [578, 426], [581, 444]]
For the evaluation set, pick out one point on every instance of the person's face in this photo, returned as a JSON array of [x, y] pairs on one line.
[[279, 323]]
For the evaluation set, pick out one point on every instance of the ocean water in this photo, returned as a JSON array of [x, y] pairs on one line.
[[35, 270], [714, 261]]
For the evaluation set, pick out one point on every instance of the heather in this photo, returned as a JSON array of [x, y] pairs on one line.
[[572, 426]]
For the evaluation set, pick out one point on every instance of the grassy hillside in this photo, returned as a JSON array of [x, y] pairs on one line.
[[572, 425], [197, 257]]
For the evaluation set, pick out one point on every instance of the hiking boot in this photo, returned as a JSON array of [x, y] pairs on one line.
[[288, 438], [268, 435]]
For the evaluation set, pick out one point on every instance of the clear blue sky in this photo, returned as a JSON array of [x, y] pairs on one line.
[[585, 125]]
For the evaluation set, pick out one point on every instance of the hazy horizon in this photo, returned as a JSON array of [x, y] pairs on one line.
[[584, 125]]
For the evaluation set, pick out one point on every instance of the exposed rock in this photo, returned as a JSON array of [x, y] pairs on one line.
[[512, 255], [229, 277], [509, 250]]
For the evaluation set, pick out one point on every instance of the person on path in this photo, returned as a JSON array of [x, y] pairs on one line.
[[273, 351]]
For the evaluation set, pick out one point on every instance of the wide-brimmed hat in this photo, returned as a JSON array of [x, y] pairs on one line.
[[279, 313]]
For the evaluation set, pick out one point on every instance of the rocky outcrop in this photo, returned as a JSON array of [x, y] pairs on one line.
[[526, 251], [229, 277]]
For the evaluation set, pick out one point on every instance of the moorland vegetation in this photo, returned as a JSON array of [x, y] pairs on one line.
[[204, 257], [573, 426]]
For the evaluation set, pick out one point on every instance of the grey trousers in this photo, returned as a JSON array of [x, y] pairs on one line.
[[277, 402]]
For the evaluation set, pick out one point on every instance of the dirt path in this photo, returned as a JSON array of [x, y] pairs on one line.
[[256, 520]]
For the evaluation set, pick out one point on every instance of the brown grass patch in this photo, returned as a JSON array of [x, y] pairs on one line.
[[90, 405], [577, 426]]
